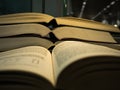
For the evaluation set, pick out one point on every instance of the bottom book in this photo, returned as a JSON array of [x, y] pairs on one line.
[[71, 65]]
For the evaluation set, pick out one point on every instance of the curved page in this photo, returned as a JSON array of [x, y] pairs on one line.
[[83, 34], [24, 18], [68, 52], [32, 59], [13, 43], [9, 30], [80, 22], [24, 14]]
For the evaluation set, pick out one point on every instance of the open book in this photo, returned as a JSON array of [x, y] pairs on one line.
[[69, 21], [72, 65]]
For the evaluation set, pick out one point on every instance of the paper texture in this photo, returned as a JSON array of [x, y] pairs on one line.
[[68, 52], [83, 34], [32, 59]]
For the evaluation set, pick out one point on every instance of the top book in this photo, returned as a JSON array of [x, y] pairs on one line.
[[69, 21]]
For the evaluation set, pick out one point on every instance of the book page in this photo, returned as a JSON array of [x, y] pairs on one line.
[[25, 18], [13, 43], [9, 30], [23, 14], [80, 22], [67, 52], [82, 34], [33, 59]]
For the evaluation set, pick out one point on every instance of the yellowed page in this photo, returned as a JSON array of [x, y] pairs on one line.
[[83, 34], [9, 30], [33, 59], [80, 22], [68, 52], [25, 18], [13, 43], [23, 14]]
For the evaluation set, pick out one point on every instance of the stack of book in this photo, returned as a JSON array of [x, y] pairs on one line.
[[42, 52]]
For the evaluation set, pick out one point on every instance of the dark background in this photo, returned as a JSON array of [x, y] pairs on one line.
[[93, 7]]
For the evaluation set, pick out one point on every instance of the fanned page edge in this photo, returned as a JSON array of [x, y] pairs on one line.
[[30, 28], [85, 23], [25, 18], [22, 14], [83, 34], [14, 43]]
